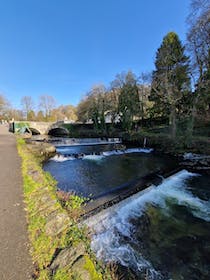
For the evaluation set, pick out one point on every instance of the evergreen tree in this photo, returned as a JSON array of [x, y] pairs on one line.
[[170, 80]]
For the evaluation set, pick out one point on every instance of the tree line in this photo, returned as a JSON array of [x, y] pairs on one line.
[[177, 89], [47, 110]]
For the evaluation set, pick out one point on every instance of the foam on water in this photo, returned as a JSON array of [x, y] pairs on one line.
[[64, 156], [93, 157], [127, 151], [191, 156], [112, 225]]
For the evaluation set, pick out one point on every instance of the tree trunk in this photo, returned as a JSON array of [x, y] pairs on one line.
[[173, 122]]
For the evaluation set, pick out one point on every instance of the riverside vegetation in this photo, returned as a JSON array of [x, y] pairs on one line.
[[59, 248], [176, 92]]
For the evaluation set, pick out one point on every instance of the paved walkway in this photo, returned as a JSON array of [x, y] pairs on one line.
[[15, 261]]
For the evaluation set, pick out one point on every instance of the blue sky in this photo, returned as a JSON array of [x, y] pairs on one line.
[[63, 47]]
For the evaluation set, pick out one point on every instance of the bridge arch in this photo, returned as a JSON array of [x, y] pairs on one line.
[[58, 131], [34, 131]]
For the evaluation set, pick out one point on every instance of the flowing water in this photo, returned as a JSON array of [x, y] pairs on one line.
[[160, 233], [94, 170]]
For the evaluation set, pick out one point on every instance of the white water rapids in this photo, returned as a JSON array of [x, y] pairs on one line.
[[96, 157], [111, 227]]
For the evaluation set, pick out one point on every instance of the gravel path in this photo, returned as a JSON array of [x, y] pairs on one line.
[[15, 261]]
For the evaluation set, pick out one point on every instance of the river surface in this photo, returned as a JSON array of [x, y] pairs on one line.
[[160, 233], [96, 170]]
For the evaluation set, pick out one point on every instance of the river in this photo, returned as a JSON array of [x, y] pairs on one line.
[[160, 233], [101, 169]]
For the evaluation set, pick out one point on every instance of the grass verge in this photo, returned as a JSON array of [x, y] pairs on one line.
[[52, 228]]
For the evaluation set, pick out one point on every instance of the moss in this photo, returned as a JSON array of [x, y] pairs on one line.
[[90, 267], [43, 246], [41, 202], [44, 275], [62, 274]]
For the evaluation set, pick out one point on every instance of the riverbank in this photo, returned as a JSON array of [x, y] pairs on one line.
[[194, 156], [60, 263], [163, 143], [60, 250]]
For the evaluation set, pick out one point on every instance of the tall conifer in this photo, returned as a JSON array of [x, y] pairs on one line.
[[170, 80]]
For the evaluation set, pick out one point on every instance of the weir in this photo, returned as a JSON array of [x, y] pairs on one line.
[[108, 175], [139, 232], [123, 192], [71, 142]]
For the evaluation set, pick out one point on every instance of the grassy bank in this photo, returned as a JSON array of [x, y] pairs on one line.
[[163, 143], [60, 250]]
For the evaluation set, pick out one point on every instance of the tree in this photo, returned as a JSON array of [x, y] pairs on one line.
[[144, 89], [198, 36], [97, 106], [94, 106], [198, 45], [64, 112], [27, 105], [4, 107], [112, 101], [128, 101], [47, 104], [15, 114], [40, 116], [170, 80], [31, 116], [83, 109]]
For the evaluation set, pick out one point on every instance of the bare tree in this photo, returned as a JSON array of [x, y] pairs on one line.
[[198, 45], [198, 37], [27, 105], [4, 106], [47, 104]]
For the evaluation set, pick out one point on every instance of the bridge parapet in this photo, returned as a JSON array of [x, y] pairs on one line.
[[42, 128], [32, 126]]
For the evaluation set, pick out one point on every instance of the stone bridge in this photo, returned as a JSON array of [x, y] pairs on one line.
[[43, 128]]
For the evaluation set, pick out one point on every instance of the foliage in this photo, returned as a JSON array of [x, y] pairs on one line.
[[91, 269], [170, 80], [75, 202], [64, 112], [123, 102], [93, 107], [128, 105], [72, 203]]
